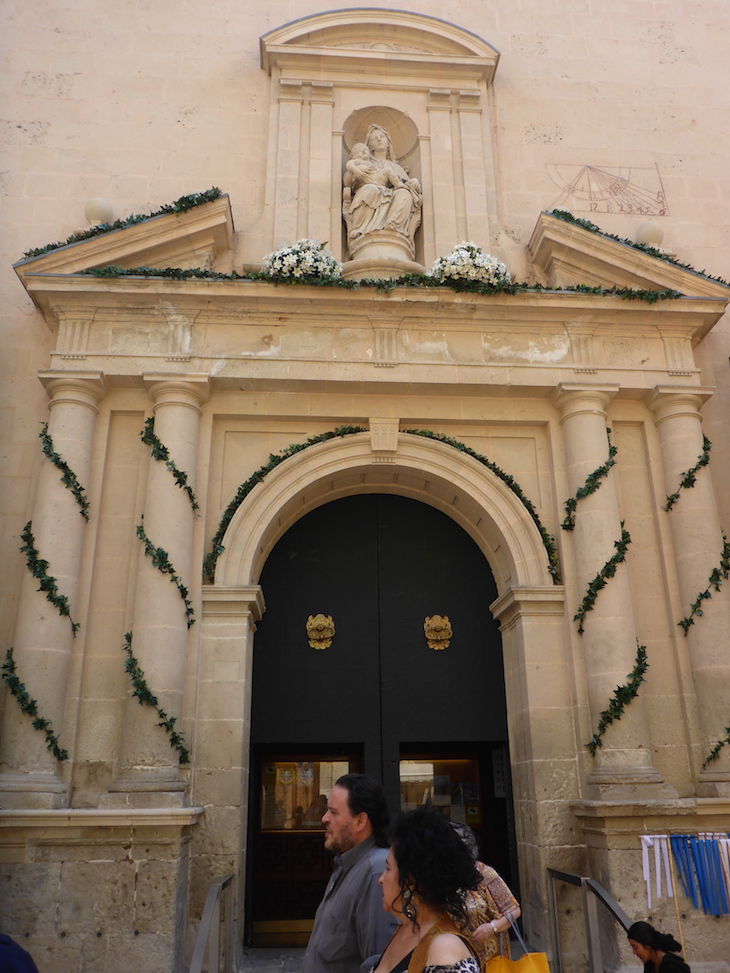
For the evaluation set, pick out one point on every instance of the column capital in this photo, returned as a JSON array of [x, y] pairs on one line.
[[528, 600], [77, 387], [573, 398], [669, 401], [220, 600], [191, 390]]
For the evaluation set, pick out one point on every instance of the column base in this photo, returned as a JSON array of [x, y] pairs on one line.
[[40, 791], [631, 784], [628, 775], [153, 788]]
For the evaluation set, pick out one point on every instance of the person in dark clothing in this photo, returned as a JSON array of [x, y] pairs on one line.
[[13, 958], [656, 950]]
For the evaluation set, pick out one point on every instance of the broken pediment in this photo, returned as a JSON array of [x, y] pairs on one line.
[[399, 42], [191, 239], [567, 254]]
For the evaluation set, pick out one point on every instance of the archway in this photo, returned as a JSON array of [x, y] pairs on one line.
[[529, 606], [425, 717]]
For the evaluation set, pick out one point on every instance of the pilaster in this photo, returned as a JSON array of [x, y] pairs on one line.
[[43, 638], [698, 543], [609, 637], [150, 771]]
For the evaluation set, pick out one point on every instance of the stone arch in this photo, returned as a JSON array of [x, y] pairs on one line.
[[421, 469]]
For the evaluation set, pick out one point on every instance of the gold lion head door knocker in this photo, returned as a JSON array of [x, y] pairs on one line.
[[437, 629], [320, 631]]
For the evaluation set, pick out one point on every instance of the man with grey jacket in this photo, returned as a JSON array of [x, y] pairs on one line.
[[351, 924]]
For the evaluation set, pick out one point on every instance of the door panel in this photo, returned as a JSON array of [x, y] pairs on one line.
[[378, 564]]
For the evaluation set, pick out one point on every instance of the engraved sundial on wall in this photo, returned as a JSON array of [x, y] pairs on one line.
[[633, 190]]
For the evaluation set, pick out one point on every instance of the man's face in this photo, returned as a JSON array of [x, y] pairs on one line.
[[338, 822]]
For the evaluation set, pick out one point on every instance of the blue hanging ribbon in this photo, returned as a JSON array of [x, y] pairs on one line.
[[682, 858], [718, 876]]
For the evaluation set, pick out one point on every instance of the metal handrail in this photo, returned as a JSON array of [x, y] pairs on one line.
[[590, 913], [209, 931]]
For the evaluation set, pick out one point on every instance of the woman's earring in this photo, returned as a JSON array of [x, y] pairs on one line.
[[409, 910]]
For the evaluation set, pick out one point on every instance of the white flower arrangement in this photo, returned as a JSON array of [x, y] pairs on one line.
[[469, 262], [306, 258]]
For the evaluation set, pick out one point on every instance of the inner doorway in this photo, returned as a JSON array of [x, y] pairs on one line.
[[430, 722]]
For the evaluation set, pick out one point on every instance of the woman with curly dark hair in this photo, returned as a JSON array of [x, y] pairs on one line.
[[427, 873], [656, 950]]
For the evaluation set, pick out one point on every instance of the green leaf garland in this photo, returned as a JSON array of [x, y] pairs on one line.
[[162, 453], [69, 478], [593, 483], [179, 206], [39, 569], [601, 579], [386, 286], [161, 560], [621, 698], [715, 752], [29, 706], [145, 697], [689, 478], [717, 576], [547, 539], [247, 486]]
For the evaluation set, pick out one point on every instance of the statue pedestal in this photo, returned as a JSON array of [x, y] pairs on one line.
[[379, 268], [384, 254]]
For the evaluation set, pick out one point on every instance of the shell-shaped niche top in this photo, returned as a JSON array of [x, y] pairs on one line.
[[408, 43]]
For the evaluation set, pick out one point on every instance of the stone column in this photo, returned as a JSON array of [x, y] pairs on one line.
[[609, 637], [698, 544], [150, 768], [44, 639]]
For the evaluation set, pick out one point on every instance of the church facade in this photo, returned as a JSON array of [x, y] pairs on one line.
[[258, 531]]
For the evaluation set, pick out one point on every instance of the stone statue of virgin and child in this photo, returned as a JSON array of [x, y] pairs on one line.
[[381, 203]]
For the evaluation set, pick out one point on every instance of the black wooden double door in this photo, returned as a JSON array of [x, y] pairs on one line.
[[378, 564]]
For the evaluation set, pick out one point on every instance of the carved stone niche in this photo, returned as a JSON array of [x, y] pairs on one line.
[[424, 81]]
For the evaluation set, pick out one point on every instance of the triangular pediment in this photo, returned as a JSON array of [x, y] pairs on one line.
[[566, 254], [194, 238]]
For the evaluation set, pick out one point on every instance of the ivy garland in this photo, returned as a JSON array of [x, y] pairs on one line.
[[161, 560], [601, 579], [408, 280], [689, 478], [29, 706], [547, 539], [69, 478], [592, 484], [275, 459], [147, 698], [179, 206], [247, 486], [715, 752], [162, 453], [717, 576], [567, 217], [38, 568], [621, 698]]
